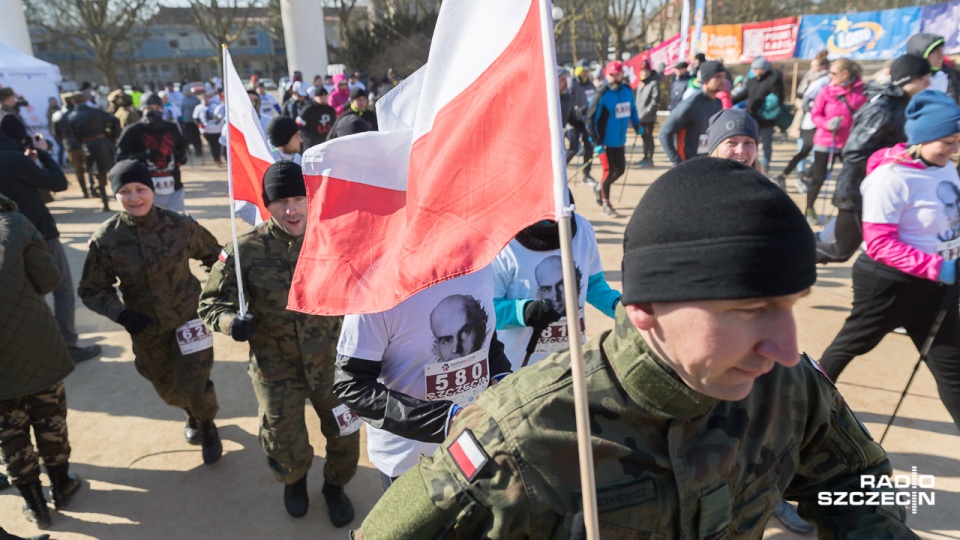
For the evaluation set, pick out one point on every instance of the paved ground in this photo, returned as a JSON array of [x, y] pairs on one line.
[[143, 481]]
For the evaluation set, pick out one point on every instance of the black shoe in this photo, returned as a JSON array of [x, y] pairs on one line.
[[338, 505], [295, 498], [191, 431], [34, 505], [212, 449], [4, 481], [64, 485], [81, 354]]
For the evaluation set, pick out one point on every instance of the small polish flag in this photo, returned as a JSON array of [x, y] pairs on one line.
[[223, 256], [467, 453]]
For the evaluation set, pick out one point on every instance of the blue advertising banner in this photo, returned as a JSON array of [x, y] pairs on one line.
[[696, 44], [943, 20], [871, 35]]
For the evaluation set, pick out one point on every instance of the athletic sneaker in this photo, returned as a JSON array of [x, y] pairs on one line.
[[801, 186], [588, 180], [900, 330], [811, 216], [610, 212], [781, 181], [598, 192]]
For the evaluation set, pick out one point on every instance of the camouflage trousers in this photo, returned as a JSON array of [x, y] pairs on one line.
[[283, 430], [46, 413], [180, 380]]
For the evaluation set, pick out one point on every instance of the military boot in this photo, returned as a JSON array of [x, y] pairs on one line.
[[338, 505], [34, 505], [64, 485], [295, 498], [191, 431], [83, 188], [105, 199], [210, 444]]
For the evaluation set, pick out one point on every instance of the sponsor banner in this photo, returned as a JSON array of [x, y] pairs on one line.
[[722, 42], [775, 40], [697, 43], [943, 20], [871, 35]]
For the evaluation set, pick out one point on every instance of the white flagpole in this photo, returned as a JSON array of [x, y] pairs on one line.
[[570, 285], [233, 211]]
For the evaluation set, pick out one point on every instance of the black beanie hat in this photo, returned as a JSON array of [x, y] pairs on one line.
[[357, 92], [907, 68], [128, 171], [709, 69], [154, 99], [283, 179], [281, 129], [713, 229]]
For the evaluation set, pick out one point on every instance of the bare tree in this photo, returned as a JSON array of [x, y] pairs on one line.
[[345, 15], [618, 17], [222, 22], [102, 27]]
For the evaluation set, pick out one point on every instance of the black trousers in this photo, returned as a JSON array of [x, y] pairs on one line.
[[191, 135], [575, 137], [614, 166], [820, 166], [884, 299], [647, 139], [806, 135], [849, 236], [213, 139]]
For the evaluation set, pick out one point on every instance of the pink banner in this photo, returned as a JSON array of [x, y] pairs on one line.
[[775, 40], [667, 53]]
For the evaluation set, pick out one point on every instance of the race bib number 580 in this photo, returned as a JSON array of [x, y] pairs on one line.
[[460, 380]]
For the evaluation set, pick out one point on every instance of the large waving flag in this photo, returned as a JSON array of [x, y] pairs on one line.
[[441, 189], [249, 156]]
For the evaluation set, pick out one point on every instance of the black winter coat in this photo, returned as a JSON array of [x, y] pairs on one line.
[[21, 178], [757, 91], [877, 125]]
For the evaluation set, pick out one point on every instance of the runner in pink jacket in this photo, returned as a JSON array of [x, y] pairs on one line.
[[340, 98], [832, 113]]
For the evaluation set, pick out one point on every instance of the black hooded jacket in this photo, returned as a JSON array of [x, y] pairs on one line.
[[877, 125], [157, 144], [21, 178]]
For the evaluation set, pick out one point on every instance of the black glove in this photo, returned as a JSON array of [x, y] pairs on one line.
[[539, 314], [241, 329], [134, 322]]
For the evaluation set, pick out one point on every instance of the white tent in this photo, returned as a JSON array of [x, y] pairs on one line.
[[37, 81]]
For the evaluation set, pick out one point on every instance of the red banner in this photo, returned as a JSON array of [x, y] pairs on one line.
[[667, 53], [775, 40]]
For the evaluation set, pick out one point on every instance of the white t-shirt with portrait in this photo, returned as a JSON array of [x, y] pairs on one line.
[[523, 273], [923, 203], [452, 319]]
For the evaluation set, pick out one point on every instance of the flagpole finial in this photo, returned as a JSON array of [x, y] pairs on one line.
[[223, 45]]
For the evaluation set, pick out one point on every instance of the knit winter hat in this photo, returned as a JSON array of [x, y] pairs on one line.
[[357, 92], [283, 179], [709, 69], [613, 68], [924, 44], [760, 63], [907, 68], [281, 129], [712, 229], [730, 123], [931, 115], [128, 171]]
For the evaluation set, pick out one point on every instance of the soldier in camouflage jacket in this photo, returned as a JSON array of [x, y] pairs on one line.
[[292, 354], [148, 248], [702, 414]]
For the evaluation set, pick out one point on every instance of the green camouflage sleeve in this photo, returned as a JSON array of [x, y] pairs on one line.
[[457, 495], [835, 455], [204, 247], [219, 299], [97, 284]]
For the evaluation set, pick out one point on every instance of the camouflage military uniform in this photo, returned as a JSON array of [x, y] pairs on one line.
[[670, 462], [46, 413], [149, 256], [292, 354]]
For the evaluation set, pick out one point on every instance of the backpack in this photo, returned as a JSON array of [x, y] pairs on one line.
[[771, 107]]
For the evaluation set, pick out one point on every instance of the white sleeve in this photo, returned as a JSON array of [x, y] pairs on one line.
[[884, 196], [504, 270], [364, 336], [592, 264]]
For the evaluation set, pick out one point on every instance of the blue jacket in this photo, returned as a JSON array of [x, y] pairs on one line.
[[607, 127]]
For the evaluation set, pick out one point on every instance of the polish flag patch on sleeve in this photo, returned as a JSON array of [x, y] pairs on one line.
[[223, 256], [467, 453]]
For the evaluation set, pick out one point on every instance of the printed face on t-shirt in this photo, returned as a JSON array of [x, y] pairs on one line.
[[459, 326], [549, 275], [950, 197]]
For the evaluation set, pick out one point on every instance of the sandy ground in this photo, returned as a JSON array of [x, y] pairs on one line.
[[142, 480]]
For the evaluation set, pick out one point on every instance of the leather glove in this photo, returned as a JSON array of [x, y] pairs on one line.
[[834, 123], [539, 314], [241, 328], [598, 149], [134, 322]]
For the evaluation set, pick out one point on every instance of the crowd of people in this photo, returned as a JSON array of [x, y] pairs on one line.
[[705, 419]]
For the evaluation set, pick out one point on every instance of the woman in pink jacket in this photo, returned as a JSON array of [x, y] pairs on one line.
[[911, 225], [832, 113], [340, 98]]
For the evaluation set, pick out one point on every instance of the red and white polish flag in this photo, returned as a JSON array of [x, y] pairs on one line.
[[441, 189], [249, 155]]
